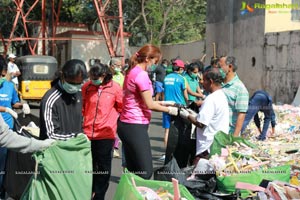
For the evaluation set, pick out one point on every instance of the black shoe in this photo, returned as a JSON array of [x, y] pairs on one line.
[[2, 194], [260, 138]]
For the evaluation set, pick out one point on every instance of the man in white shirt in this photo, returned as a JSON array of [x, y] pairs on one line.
[[13, 70], [213, 114]]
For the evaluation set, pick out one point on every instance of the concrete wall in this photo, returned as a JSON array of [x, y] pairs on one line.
[[239, 35], [277, 65], [87, 46], [187, 52], [282, 65], [60, 29], [89, 49]]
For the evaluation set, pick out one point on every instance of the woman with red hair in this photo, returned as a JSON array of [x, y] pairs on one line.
[[136, 114]]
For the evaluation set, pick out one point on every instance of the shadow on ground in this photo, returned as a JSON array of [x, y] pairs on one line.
[[157, 139]]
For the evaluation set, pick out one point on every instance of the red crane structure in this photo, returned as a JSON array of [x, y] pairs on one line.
[[48, 32]]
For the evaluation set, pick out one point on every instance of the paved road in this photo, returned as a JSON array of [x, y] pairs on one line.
[[156, 133]]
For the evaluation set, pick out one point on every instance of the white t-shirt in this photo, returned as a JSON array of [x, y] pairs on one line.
[[214, 114], [12, 68]]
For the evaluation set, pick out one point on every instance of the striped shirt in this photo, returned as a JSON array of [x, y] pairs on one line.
[[60, 114], [238, 98]]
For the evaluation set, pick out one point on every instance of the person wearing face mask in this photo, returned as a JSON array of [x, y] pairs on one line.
[[213, 115], [9, 100], [13, 70], [186, 147], [175, 89], [236, 92], [60, 107], [160, 73], [136, 113], [116, 68], [101, 105], [194, 90]]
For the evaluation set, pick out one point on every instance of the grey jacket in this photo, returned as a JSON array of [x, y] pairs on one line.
[[15, 142]]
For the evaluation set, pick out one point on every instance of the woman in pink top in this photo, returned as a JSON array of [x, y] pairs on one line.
[[136, 114]]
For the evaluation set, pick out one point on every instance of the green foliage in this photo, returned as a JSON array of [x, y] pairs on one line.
[[78, 11], [7, 17], [187, 24], [161, 21], [184, 21]]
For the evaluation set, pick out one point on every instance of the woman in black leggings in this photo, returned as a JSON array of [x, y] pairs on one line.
[[136, 114], [137, 148]]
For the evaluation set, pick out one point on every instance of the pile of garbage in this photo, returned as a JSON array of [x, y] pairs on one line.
[[275, 160], [283, 148], [240, 158]]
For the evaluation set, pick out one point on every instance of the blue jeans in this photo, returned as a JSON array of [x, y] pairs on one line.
[[259, 102]]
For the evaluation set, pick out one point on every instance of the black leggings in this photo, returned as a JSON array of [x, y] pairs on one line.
[[102, 158], [137, 148]]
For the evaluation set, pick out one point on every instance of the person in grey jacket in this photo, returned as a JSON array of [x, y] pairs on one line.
[[16, 142]]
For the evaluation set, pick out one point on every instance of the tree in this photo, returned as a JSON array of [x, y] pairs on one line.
[[148, 21], [78, 11], [161, 21], [7, 12]]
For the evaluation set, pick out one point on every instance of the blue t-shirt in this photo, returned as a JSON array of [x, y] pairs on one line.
[[174, 85], [8, 97]]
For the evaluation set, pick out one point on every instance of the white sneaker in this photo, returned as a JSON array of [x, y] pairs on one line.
[[162, 158]]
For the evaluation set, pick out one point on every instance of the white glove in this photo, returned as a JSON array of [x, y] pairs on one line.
[[167, 103], [26, 109], [13, 113], [49, 141], [173, 111], [45, 144], [193, 113], [184, 113]]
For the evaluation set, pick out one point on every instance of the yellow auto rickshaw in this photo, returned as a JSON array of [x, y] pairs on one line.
[[37, 72]]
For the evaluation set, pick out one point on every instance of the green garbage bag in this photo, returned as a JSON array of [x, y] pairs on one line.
[[63, 171], [222, 139], [126, 190], [226, 184]]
